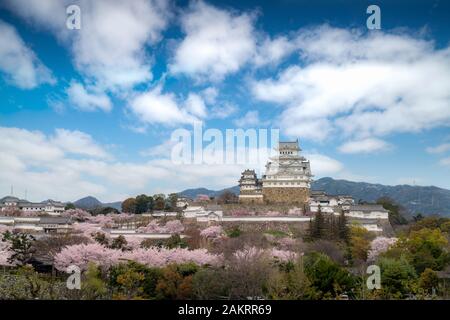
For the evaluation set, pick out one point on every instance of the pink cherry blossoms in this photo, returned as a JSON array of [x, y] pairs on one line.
[[77, 214], [5, 253], [3, 229], [81, 254], [213, 232], [87, 229], [251, 253], [378, 246], [172, 227], [283, 255]]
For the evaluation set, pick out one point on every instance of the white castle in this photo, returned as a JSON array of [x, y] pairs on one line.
[[287, 178]]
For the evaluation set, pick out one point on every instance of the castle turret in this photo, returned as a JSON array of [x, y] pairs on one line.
[[250, 188]]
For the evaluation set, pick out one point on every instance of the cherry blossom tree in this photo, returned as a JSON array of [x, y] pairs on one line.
[[77, 214], [4, 228], [283, 255], [213, 232], [105, 221], [5, 253], [89, 230], [378, 246], [286, 243], [172, 227], [81, 254], [254, 253]]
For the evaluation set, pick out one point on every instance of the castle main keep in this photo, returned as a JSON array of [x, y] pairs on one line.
[[287, 179]]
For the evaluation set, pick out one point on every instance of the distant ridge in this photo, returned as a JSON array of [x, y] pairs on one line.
[[90, 202], [416, 199]]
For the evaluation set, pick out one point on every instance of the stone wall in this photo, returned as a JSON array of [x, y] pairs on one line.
[[262, 209], [297, 228], [248, 200], [286, 195]]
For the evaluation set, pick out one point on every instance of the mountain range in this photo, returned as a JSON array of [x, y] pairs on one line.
[[415, 199], [90, 202]]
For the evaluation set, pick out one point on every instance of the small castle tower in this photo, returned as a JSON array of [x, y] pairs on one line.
[[250, 188]]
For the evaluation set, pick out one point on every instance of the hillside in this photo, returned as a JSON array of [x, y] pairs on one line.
[[90, 202]]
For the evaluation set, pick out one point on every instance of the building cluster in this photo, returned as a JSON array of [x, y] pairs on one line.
[[49, 207], [45, 224], [287, 180]]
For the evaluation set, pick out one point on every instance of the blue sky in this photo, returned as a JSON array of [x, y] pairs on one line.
[[91, 111]]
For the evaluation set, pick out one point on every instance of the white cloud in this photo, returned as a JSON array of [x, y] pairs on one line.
[[83, 100], [368, 145], [223, 110], [44, 165], [154, 106], [217, 42], [161, 150], [272, 51], [19, 63], [78, 142], [322, 165], [68, 165], [110, 46], [196, 105], [210, 95], [250, 119], [361, 85], [445, 161], [439, 149]]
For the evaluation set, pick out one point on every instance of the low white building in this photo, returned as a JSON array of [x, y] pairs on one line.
[[367, 211], [38, 224], [329, 203], [50, 207]]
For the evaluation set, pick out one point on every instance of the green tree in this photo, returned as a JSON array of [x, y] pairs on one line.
[[426, 248], [359, 242], [317, 225], [291, 284], [148, 283], [119, 243], [171, 203], [144, 203], [397, 277], [69, 206], [428, 280], [129, 205], [343, 229], [396, 211], [174, 283], [21, 247], [159, 201], [101, 238], [327, 277], [175, 241], [93, 285]]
